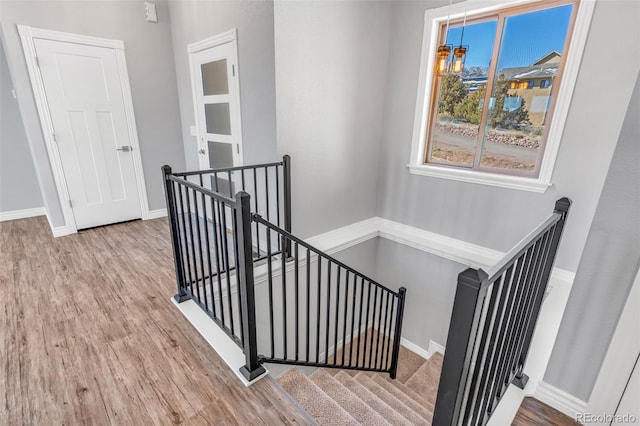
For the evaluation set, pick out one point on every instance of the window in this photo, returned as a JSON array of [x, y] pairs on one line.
[[502, 124]]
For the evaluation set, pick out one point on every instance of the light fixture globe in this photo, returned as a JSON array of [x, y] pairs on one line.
[[442, 60]]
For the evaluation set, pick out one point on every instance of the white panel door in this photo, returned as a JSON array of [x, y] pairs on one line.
[[86, 105]]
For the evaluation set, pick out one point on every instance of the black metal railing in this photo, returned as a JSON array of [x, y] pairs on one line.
[[218, 238], [492, 324], [321, 312]]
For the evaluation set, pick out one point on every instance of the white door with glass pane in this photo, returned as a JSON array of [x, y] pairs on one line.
[[214, 77]]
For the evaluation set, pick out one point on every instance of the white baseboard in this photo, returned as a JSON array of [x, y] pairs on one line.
[[345, 237], [155, 214], [435, 347], [61, 231], [230, 353], [22, 214], [415, 348], [560, 400]]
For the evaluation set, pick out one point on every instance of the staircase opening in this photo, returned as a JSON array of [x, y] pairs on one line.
[[283, 301]]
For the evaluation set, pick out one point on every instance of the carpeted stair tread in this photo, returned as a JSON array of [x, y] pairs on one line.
[[403, 393], [372, 400], [357, 357], [425, 380], [347, 399], [313, 400], [391, 400], [408, 363]]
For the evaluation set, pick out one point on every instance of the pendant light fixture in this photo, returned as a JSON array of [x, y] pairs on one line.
[[444, 51], [460, 52]]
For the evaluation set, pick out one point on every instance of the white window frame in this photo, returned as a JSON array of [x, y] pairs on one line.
[[433, 18]]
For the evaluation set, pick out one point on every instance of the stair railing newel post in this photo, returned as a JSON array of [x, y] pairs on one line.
[[467, 311], [286, 171], [562, 207], [252, 367], [397, 334], [172, 216]]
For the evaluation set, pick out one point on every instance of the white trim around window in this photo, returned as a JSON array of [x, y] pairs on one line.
[[432, 19]]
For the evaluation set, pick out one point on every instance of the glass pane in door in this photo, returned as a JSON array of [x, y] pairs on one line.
[[220, 155], [214, 78], [217, 118]]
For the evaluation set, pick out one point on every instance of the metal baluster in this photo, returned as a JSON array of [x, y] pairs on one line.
[[366, 327], [296, 295], [201, 255], [206, 233], [308, 265], [344, 320], [193, 249], [353, 318], [382, 294], [318, 309], [373, 323], [225, 250], [335, 331], [184, 240], [284, 295], [286, 176], [360, 320], [270, 285], [326, 343], [236, 247], [384, 340], [255, 209], [216, 221], [391, 321], [397, 333]]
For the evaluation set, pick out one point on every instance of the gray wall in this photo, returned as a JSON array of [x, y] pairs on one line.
[[19, 187], [497, 217], [193, 21], [151, 73], [607, 269], [331, 67]]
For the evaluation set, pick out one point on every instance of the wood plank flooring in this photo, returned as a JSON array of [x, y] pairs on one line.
[[89, 335], [536, 413]]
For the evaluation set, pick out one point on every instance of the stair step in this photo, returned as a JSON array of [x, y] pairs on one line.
[[372, 400], [391, 400], [313, 400], [423, 408], [347, 399], [425, 380], [388, 383], [408, 363]]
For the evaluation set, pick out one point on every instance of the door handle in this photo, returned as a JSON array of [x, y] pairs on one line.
[[125, 148], [201, 151]]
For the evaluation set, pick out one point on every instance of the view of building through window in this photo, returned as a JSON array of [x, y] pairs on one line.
[[507, 134]]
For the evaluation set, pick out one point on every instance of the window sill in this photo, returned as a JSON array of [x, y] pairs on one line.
[[481, 178]]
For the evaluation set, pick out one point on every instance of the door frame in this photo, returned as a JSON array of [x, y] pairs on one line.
[[620, 358], [230, 36], [27, 35]]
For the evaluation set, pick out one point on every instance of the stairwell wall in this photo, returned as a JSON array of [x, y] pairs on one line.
[[331, 69]]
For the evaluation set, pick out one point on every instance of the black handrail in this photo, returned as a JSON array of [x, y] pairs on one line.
[[339, 340], [217, 237], [492, 324]]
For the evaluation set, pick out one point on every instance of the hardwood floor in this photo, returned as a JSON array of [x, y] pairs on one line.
[[535, 413], [89, 335]]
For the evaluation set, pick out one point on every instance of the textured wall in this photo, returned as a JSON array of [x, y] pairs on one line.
[[607, 269], [331, 67], [19, 187]]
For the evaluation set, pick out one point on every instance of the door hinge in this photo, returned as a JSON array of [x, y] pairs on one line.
[[238, 148], [37, 62], [70, 204], [233, 70], [53, 135]]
